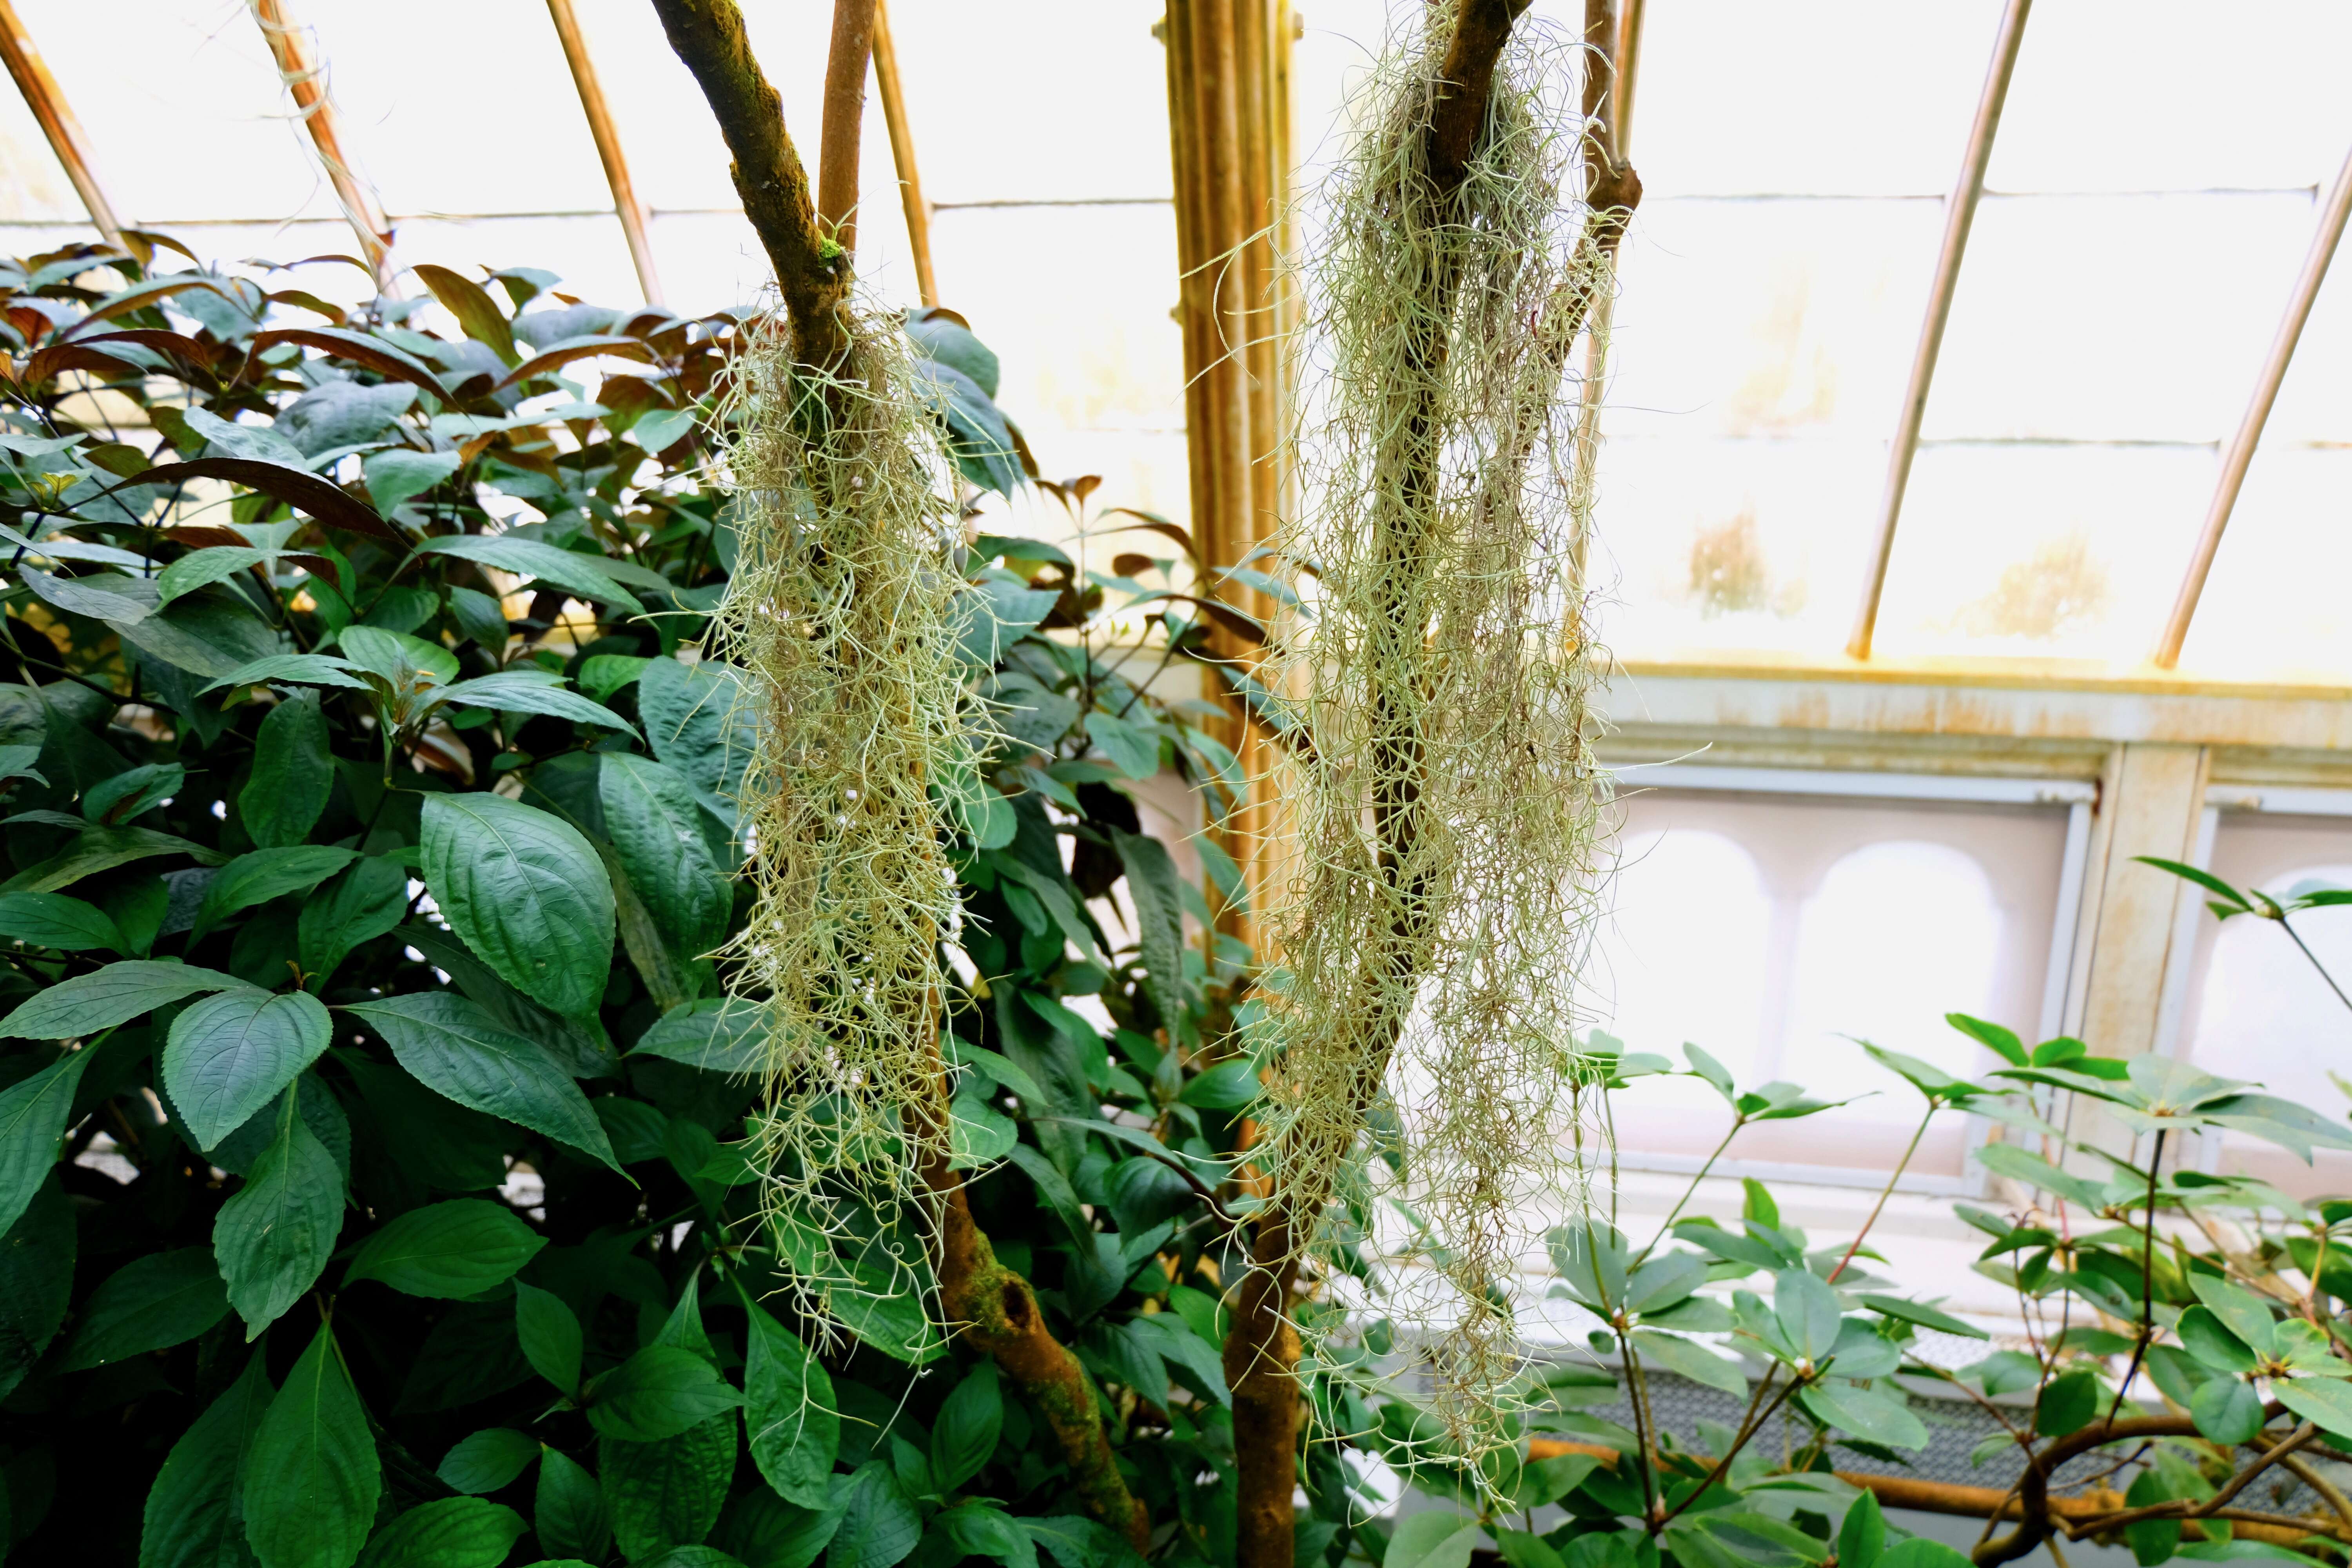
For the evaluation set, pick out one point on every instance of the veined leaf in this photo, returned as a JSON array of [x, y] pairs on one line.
[[311, 1477], [525, 892], [452, 1046]]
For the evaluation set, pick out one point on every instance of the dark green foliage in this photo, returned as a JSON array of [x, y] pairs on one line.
[[370, 841]]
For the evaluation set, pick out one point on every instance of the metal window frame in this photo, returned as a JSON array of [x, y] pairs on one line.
[[2078, 796]]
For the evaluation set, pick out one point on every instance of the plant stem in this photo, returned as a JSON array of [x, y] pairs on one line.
[[1887, 1191], [1738, 1121], [2296, 937], [2147, 1283], [1749, 1425], [1640, 1386]]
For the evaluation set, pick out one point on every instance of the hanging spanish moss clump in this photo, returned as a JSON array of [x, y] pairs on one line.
[[839, 613], [1445, 796]]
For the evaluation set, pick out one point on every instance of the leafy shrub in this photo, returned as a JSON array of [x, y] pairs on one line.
[[371, 1149]]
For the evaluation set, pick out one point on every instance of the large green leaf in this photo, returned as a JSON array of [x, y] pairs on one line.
[[274, 1237], [655, 825], [32, 1128], [1158, 892], [114, 994], [1864, 1412], [359, 903], [36, 1278], [263, 875], [965, 1435], [54, 921], [531, 691], [718, 1034], [451, 1044], [696, 721], [196, 1512], [568, 1512], [149, 1304], [312, 1478], [293, 773], [878, 1527], [102, 849], [794, 1425], [582, 575], [657, 1393], [447, 1532], [668, 1493], [525, 892], [1691, 1360], [764, 1530], [550, 1334], [232, 1054], [449, 1251], [2325, 1402]]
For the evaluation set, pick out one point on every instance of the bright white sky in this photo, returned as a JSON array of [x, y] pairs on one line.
[[2147, 211]]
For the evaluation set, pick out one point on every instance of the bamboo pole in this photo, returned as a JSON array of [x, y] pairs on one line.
[[2241, 455], [1612, 42], [845, 118], [902, 153], [1959, 214], [64, 136], [625, 205], [289, 46]]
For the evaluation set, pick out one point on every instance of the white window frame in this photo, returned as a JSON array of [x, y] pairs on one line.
[[2079, 796]]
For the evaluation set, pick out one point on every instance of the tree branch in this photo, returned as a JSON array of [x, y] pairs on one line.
[[812, 272]]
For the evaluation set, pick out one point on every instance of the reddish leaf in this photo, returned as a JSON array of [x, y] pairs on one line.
[[1150, 522], [359, 348], [138, 298], [59, 357], [305, 492], [1225, 615], [554, 359], [476, 312]]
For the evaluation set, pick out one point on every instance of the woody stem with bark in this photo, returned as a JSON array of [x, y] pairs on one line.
[[991, 1306]]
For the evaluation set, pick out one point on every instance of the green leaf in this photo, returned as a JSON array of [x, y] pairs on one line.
[[568, 1513], [2212, 1345], [695, 722], [551, 1337], [114, 994], [525, 892], [195, 1513], [765, 1531], [662, 428], [1434, 1538], [970, 1420], [2069, 1402], [989, 616], [2227, 1410], [668, 1493], [449, 1251], [1225, 1085], [128, 795], [878, 1526], [452, 1047], [37, 1280], [232, 1054], [312, 669], [1133, 749], [272, 1238], [150, 1303], [941, 335], [977, 1530], [488, 1459], [1690, 1360], [723, 1035], [447, 1532], [1807, 1311], [358, 904], [100, 849], [2242, 1312], [311, 1480], [978, 437], [54, 921], [794, 1422], [404, 663], [2205, 879], [200, 568], [1926, 1316], [1863, 1536], [1865, 1413], [522, 692], [1153, 882], [2325, 1402], [32, 1128], [558, 568], [263, 875], [655, 825], [292, 774], [656, 1394], [401, 475]]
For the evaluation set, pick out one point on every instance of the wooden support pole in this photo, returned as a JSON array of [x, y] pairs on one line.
[[844, 118], [41, 95], [1612, 44], [289, 46], [1959, 214], [902, 153], [631, 211], [2241, 455]]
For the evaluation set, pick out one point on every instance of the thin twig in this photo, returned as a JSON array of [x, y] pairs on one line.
[[1738, 1121], [2146, 1284], [1888, 1190]]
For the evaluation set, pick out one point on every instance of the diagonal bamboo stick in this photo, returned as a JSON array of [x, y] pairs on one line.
[[305, 78], [625, 205], [902, 154], [57, 122]]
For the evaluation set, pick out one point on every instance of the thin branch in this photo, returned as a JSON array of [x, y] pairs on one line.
[[2146, 1284], [1738, 1121], [1888, 1190], [2287, 926]]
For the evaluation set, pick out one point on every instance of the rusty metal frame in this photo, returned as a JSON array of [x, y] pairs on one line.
[[57, 122], [2240, 453], [625, 205], [1960, 215]]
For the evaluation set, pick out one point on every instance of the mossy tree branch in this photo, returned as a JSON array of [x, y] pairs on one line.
[[811, 270], [993, 1307], [1262, 1349]]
